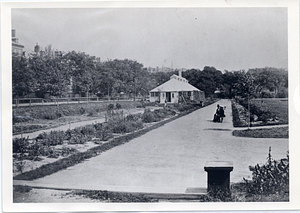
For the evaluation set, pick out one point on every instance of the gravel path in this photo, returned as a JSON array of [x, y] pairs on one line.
[[169, 159]]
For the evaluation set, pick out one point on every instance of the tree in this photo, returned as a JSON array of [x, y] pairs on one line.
[[50, 74], [246, 89], [81, 67], [23, 81], [270, 78]]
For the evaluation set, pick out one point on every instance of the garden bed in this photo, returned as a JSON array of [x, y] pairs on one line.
[[276, 115], [31, 119], [263, 112], [116, 131]]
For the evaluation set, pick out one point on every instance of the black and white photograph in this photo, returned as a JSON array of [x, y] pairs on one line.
[[164, 104]]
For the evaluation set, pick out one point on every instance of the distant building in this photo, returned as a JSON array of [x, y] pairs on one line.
[[16, 46], [176, 90]]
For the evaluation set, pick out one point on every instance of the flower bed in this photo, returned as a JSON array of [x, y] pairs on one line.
[[83, 134]]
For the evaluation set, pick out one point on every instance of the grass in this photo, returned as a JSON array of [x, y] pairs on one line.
[[276, 107], [275, 132], [279, 107]]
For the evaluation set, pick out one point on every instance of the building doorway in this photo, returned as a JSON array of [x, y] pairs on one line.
[[168, 96]]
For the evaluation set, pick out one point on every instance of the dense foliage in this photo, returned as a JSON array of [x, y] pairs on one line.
[[270, 178], [262, 112], [79, 73]]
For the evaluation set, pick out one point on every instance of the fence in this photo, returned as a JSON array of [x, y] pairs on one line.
[[56, 101]]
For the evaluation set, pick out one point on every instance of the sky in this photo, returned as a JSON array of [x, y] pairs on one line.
[[225, 38]]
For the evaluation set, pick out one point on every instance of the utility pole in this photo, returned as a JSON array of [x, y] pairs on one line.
[[249, 112]]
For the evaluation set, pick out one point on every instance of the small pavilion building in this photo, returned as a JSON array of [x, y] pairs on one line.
[[176, 90]]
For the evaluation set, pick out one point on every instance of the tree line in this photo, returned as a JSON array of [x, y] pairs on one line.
[[79, 73]]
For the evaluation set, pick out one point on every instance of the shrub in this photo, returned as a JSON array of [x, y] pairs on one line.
[[263, 114], [19, 119], [103, 134], [52, 139], [149, 116], [267, 94], [113, 115], [118, 106], [184, 107], [123, 126], [50, 115], [65, 151], [134, 117], [235, 116], [20, 166], [270, 178], [88, 130], [110, 106], [265, 117], [75, 136], [20, 145], [82, 110], [282, 93]]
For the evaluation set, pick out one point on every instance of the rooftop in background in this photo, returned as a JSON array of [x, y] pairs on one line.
[[16, 46], [176, 83]]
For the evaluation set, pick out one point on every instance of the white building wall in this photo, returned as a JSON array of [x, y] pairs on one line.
[[174, 97], [162, 97]]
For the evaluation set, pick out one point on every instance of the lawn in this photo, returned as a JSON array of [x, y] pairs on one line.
[[271, 112], [278, 107], [275, 132], [263, 112]]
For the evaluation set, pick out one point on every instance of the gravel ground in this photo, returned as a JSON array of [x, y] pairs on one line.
[[48, 196]]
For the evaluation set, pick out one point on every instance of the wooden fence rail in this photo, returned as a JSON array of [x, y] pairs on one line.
[[56, 101]]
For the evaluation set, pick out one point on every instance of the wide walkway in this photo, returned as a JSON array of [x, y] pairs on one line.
[[169, 159]]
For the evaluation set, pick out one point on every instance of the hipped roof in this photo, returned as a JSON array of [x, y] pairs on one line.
[[176, 83]]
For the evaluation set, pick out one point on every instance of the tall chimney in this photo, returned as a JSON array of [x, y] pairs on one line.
[[180, 73]]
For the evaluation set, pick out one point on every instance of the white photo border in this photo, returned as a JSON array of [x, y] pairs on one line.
[[294, 117]]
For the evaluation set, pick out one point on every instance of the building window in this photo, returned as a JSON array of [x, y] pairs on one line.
[[172, 95], [154, 94]]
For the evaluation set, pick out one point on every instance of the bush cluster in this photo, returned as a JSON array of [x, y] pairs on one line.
[[51, 139], [42, 144], [19, 119], [156, 115], [20, 145], [184, 107], [270, 178], [23, 149], [263, 114]]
